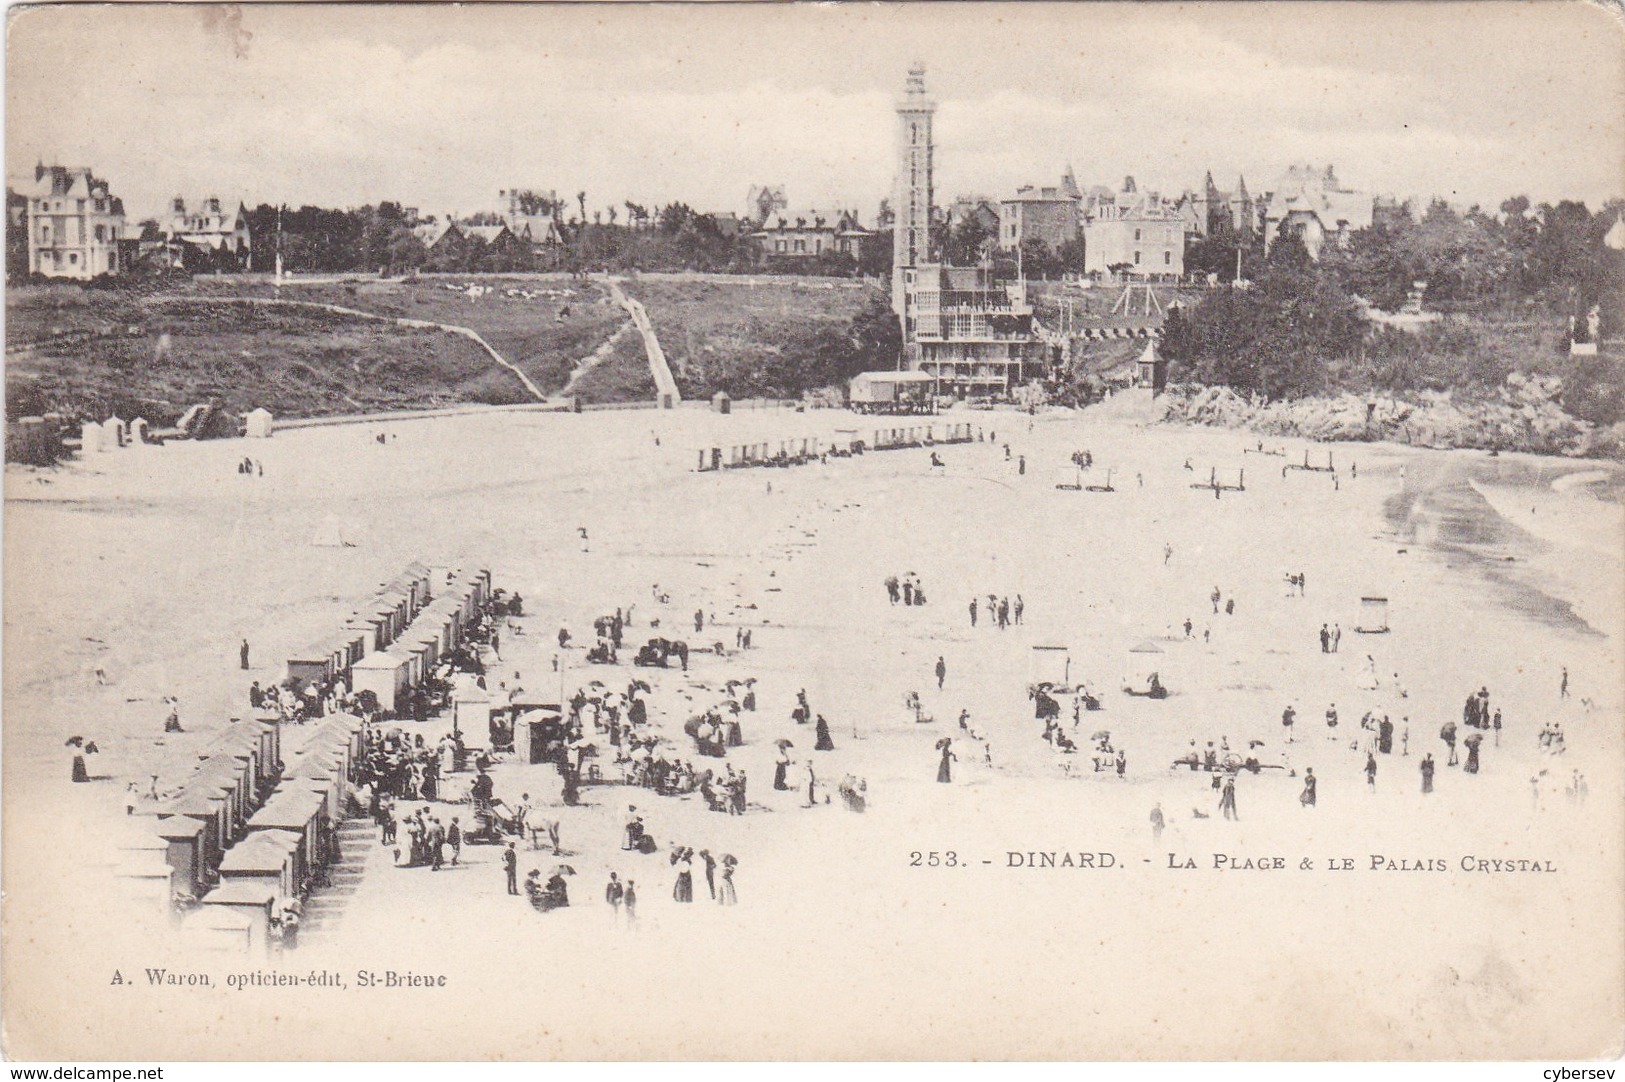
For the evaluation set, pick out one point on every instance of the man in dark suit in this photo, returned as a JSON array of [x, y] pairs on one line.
[[510, 865]]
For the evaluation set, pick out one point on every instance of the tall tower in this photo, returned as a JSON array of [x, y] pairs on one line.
[[911, 229]]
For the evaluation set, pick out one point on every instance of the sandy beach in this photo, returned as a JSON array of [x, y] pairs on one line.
[[153, 563]]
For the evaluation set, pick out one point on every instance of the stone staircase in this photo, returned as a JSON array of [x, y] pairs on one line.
[[325, 908]]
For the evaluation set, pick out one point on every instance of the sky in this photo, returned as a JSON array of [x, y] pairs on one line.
[[441, 107]]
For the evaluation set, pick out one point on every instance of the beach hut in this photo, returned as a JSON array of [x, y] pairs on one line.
[[301, 811], [115, 432], [225, 778], [364, 633], [1151, 370], [538, 734], [219, 929], [265, 854], [310, 666], [1373, 616], [722, 402], [386, 675], [268, 733], [257, 425], [208, 807], [251, 899], [149, 881], [138, 432], [90, 438], [1049, 665], [183, 851]]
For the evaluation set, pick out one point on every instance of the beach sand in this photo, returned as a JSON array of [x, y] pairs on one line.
[[153, 564]]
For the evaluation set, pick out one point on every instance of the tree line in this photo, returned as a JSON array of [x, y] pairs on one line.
[[1514, 289], [633, 237]]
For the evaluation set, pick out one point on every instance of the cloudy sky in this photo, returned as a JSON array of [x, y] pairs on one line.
[[440, 107]]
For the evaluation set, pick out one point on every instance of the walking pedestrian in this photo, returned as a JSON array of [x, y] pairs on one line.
[[1287, 717], [1563, 689], [1371, 771], [1227, 799], [510, 866], [242, 653], [973, 612], [942, 672], [1019, 607], [454, 838], [1307, 797], [824, 742]]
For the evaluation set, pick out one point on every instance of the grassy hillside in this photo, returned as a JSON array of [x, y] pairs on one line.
[[750, 338], [154, 360], [623, 376], [544, 334]]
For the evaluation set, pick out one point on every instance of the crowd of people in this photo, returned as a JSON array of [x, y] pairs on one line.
[[1001, 612], [905, 590]]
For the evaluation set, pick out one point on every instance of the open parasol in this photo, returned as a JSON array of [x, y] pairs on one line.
[[944, 742], [564, 869], [784, 742], [1474, 740]]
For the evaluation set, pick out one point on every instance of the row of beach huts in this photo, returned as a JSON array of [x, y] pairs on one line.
[[391, 645], [251, 820], [845, 442], [40, 441]]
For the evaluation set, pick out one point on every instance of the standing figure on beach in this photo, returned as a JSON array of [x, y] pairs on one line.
[[1287, 717], [942, 672], [1427, 773], [824, 742], [1371, 771], [1448, 735], [973, 612], [683, 860], [1307, 797], [1019, 607], [1227, 799], [1157, 823], [944, 770], [725, 889], [1563, 689], [781, 770]]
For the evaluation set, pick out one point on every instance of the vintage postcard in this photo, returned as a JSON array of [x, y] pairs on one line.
[[814, 532]]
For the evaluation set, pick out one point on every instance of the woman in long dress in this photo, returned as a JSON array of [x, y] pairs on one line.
[[1307, 798], [780, 771], [683, 889], [824, 742], [725, 888], [944, 770]]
